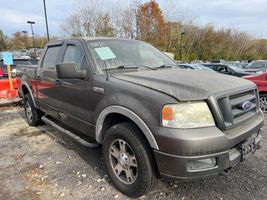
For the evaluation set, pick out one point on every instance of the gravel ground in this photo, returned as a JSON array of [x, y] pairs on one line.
[[42, 163]]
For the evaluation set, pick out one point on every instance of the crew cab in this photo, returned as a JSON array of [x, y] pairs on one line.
[[152, 119]]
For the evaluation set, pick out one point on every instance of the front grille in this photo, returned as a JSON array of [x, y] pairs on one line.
[[231, 107]]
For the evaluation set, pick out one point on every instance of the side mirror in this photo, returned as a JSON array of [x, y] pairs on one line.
[[70, 71]]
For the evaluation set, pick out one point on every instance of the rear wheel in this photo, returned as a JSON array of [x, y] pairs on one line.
[[129, 160], [33, 115], [263, 102]]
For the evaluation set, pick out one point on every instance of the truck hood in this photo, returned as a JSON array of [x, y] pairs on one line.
[[186, 85]]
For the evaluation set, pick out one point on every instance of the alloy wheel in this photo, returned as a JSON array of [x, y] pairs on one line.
[[123, 161], [28, 110]]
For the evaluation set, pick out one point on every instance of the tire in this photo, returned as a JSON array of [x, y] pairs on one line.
[[263, 102], [126, 151], [33, 115]]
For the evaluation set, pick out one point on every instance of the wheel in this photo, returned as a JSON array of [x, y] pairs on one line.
[[33, 115], [263, 102], [129, 160]]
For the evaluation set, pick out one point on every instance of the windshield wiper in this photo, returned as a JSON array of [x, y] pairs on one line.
[[127, 67], [119, 67]]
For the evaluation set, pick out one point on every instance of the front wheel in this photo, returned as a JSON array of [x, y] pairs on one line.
[[263, 102], [129, 160]]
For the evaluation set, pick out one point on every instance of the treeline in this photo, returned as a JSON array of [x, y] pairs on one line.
[[147, 22], [20, 40]]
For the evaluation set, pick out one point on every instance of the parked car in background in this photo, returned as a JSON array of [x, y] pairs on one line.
[[16, 62], [256, 66], [261, 81], [34, 61], [195, 67], [227, 69]]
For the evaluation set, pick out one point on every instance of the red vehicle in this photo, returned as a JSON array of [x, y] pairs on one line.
[[261, 81]]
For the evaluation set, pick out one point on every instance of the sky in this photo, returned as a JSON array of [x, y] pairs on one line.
[[244, 15]]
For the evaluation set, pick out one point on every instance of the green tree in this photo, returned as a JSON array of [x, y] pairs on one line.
[[3, 42]]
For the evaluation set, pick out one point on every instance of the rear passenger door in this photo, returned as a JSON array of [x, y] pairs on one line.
[[47, 92]]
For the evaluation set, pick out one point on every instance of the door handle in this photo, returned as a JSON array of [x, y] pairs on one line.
[[58, 82]]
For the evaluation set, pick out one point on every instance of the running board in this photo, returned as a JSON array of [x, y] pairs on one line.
[[70, 134]]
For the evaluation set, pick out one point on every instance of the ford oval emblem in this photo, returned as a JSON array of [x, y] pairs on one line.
[[246, 106]]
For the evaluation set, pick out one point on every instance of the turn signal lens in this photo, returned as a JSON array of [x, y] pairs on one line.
[[167, 113]]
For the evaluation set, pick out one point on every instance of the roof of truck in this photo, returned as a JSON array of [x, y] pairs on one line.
[[87, 39]]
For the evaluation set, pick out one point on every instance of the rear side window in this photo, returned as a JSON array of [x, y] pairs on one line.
[[50, 57]]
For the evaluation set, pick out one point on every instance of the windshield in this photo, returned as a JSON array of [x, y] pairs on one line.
[[201, 67], [256, 65], [130, 53], [234, 68]]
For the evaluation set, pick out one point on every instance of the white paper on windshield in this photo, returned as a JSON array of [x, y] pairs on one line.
[[105, 53]]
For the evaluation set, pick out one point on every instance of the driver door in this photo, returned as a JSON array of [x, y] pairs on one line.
[[75, 94]]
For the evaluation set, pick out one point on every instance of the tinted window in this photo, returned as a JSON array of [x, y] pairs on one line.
[[222, 69], [73, 55], [51, 57]]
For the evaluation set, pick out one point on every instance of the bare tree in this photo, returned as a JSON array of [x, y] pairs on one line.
[[90, 19]]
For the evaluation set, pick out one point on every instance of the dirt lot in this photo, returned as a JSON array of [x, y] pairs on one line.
[[41, 163]]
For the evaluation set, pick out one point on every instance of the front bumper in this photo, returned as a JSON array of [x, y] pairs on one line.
[[202, 144], [176, 167]]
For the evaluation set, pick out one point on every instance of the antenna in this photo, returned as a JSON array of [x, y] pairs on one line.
[[106, 69]]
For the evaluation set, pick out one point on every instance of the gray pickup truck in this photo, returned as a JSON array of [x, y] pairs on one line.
[[152, 118]]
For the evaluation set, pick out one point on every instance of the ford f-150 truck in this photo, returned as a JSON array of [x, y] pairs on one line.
[[152, 119]]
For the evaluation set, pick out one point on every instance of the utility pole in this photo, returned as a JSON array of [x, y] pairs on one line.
[[25, 39], [31, 23], [181, 45], [47, 31]]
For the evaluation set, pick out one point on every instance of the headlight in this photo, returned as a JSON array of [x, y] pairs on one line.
[[187, 115]]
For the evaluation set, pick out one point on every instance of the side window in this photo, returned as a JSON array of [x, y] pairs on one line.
[[50, 57], [213, 67], [73, 54], [222, 69]]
